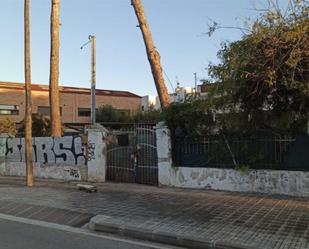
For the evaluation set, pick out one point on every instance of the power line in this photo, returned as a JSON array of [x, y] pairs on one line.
[[171, 84]]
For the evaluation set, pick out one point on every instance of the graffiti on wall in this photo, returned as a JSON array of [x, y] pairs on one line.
[[67, 150], [73, 172], [2, 147], [90, 148]]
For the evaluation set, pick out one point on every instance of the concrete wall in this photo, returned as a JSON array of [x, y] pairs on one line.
[[294, 183], [65, 158], [59, 158], [96, 154]]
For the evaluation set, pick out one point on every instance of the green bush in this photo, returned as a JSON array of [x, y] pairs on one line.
[[193, 117], [40, 126], [107, 113], [268, 69], [150, 116]]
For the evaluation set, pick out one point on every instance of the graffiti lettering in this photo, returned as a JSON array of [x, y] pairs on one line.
[[47, 150]]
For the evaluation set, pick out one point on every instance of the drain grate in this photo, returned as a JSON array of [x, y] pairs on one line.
[[48, 214]]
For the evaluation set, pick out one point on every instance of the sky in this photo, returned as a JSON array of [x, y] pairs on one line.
[[177, 27]]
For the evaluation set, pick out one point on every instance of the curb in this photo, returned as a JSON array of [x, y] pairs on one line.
[[102, 223]]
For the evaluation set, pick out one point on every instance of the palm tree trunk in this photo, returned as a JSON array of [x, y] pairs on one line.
[[54, 71], [28, 112], [152, 54]]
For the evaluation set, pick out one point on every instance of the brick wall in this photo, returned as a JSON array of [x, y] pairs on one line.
[[70, 102]]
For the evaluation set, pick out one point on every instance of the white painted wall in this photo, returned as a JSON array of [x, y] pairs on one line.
[[164, 154], [59, 158], [149, 101], [2, 153], [294, 183], [65, 158], [97, 154]]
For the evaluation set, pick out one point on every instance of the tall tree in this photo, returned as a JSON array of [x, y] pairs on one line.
[[54, 71], [152, 53], [28, 123]]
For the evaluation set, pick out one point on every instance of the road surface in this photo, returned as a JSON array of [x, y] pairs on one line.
[[20, 233]]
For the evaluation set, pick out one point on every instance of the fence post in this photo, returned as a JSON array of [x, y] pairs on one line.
[[96, 153], [164, 150]]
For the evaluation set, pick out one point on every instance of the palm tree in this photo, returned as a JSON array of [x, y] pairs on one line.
[[152, 54], [28, 118], [54, 71]]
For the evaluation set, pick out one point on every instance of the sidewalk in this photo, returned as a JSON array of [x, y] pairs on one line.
[[188, 218]]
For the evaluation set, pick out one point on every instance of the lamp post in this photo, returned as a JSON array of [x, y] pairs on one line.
[[92, 40]]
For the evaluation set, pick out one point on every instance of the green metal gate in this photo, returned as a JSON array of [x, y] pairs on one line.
[[132, 154]]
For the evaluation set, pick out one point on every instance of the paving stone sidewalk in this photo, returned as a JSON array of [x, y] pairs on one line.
[[224, 219]]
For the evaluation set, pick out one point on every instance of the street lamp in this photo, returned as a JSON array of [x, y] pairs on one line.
[[92, 40]]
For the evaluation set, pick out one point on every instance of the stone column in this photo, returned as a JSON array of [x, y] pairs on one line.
[[96, 153], [164, 150]]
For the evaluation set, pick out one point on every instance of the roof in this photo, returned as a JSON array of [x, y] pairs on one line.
[[68, 89]]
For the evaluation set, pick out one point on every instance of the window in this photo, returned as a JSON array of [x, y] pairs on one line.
[[84, 112], [9, 110], [45, 110]]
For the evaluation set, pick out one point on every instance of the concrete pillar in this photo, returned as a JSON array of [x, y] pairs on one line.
[[96, 154], [164, 150]]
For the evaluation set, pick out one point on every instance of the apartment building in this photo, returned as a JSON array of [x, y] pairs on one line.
[[74, 102], [179, 95]]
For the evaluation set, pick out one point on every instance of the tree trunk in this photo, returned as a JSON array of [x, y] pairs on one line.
[[54, 71], [152, 54], [28, 112]]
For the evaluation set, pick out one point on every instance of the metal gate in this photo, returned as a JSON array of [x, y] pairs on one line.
[[132, 154]]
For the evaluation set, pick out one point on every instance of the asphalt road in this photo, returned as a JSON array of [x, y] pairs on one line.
[[16, 233]]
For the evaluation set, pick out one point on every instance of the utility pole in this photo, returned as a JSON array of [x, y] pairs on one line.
[[92, 40], [93, 77], [195, 85], [28, 112]]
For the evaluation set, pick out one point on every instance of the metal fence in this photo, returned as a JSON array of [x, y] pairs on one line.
[[132, 153], [270, 152]]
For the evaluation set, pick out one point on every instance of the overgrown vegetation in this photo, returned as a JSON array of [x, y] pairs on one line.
[[108, 114], [8, 126], [150, 116], [261, 83], [260, 90], [193, 118], [41, 126], [265, 76]]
